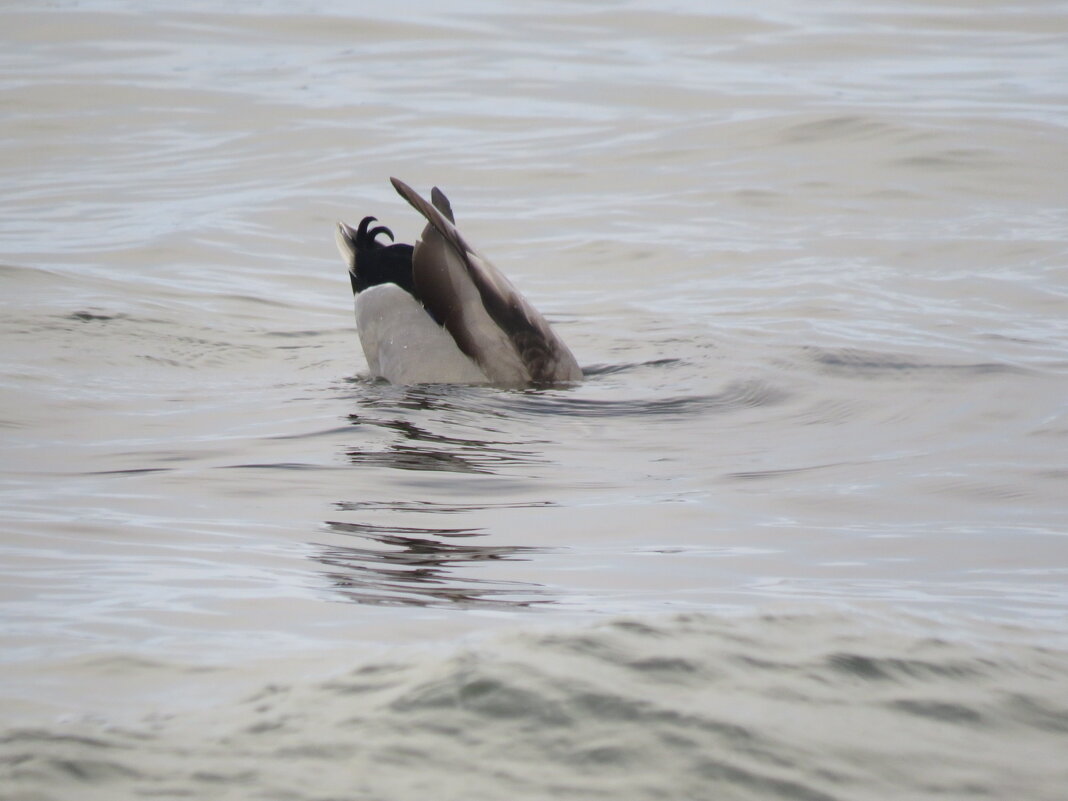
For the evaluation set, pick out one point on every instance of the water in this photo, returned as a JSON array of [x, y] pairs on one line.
[[801, 533]]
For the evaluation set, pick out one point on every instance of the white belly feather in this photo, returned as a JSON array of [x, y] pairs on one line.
[[404, 345]]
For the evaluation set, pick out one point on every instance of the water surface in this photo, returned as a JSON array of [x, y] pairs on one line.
[[801, 533]]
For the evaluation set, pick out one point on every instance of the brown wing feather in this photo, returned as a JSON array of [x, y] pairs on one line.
[[442, 204], [545, 358]]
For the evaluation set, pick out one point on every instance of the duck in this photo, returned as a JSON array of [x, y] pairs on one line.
[[439, 312]]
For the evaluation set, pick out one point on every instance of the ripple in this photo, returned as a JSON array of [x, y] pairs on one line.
[[845, 127], [612, 369], [406, 566], [855, 361], [436, 508], [789, 706], [388, 533], [965, 160], [740, 395], [85, 317], [897, 668]]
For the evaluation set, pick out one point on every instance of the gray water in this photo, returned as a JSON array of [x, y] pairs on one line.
[[801, 533]]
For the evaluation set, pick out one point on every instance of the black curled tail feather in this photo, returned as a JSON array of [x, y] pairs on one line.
[[372, 262]]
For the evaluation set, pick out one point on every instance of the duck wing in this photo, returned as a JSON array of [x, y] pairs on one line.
[[486, 315]]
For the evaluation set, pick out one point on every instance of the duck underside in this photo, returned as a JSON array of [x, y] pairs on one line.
[[404, 345]]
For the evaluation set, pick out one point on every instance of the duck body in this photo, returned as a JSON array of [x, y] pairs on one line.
[[440, 312], [404, 345]]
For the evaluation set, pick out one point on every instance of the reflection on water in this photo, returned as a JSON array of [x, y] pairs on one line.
[[431, 507], [406, 566], [450, 454], [404, 457], [433, 429]]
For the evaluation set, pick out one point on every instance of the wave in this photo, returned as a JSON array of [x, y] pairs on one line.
[[817, 707]]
